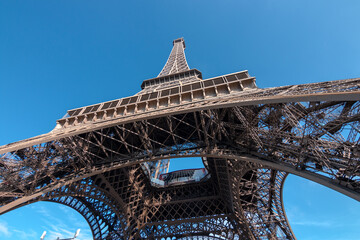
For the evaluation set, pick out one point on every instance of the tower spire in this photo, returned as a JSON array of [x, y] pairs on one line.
[[176, 61]]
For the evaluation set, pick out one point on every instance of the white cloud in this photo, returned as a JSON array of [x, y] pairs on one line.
[[57, 220], [25, 234], [313, 223], [4, 230], [43, 211], [64, 230], [64, 233]]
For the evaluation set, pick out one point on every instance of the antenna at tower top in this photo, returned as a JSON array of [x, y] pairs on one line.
[[179, 40]]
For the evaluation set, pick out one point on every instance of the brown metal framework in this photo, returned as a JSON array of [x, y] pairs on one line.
[[100, 159]]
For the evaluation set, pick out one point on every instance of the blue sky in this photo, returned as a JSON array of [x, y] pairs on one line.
[[58, 55]]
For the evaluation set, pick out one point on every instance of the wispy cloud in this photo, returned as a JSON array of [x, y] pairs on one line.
[[25, 234], [43, 211], [60, 232], [57, 220], [4, 230], [58, 228], [314, 223]]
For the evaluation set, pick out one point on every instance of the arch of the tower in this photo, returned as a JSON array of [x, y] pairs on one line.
[[282, 227], [250, 148], [200, 206], [315, 140], [103, 213], [84, 206], [246, 192]]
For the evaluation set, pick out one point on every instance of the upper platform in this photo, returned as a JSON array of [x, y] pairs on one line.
[[162, 95], [176, 67], [171, 78], [176, 84]]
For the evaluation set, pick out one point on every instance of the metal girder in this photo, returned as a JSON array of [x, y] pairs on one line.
[[327, 159]]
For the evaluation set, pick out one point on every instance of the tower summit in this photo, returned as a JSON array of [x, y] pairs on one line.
[[176, 62], [176, 69], [108, 161]]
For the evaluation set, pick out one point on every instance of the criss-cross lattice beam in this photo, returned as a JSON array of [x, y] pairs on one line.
[[176, 61], [284, 138], [317, 140]]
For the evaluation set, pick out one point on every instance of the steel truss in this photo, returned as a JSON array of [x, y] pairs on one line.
[[249, 141]]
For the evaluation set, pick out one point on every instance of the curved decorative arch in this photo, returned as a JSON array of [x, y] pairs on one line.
[[81, 207], [107, 216]]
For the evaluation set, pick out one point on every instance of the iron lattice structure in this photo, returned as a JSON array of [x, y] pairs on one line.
[[100, 159]]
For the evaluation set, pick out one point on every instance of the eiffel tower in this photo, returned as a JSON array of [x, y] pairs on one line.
[[109, 161]]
